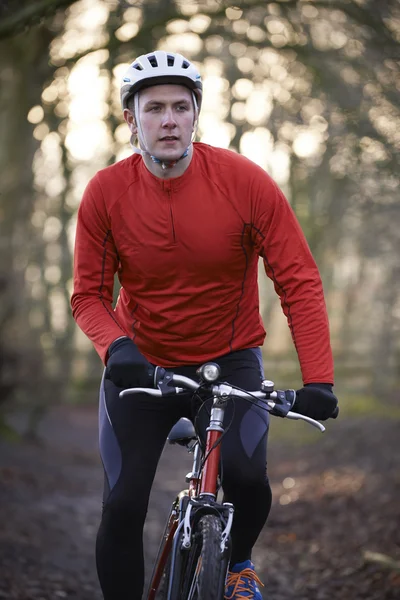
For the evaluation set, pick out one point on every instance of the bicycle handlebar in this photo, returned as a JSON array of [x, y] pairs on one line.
[[222, 390]]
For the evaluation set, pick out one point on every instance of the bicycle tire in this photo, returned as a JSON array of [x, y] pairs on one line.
[[204, 569]]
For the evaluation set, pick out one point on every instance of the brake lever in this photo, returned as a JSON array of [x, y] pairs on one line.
[[165, 383], [299, 417], [281, 402]]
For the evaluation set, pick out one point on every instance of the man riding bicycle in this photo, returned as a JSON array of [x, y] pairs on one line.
[[183, 224]]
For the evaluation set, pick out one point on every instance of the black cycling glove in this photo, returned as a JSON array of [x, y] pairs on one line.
[[316, 400], [127, 367]]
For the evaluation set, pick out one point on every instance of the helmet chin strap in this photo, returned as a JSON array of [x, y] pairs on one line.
[[165, 164], [168, 164]]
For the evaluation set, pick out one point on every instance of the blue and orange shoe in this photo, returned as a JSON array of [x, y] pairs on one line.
[[242, 583]]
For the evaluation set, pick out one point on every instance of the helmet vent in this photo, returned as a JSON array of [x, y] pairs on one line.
[[153, 61], [138, 67], [170, 60], [185, 65]]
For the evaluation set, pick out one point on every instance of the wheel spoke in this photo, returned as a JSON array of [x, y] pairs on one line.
[[194, 588]]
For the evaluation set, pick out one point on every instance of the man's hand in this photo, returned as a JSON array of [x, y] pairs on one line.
[[316, 400], [127, 367]]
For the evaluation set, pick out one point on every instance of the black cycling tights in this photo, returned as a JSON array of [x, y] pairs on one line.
[[133, 431]]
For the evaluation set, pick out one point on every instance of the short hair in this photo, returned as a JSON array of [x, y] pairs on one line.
[[131, 104]]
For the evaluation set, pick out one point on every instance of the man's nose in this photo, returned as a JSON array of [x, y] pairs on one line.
[[168, 119]]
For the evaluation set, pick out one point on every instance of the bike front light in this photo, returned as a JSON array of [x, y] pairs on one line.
[[209, 372]]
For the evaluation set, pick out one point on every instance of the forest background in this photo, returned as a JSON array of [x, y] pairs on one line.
[[307, 89]]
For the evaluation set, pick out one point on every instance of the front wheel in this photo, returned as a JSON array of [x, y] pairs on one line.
[[203, 567]]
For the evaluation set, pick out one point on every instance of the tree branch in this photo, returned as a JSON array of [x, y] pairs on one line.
[[160, 19], [381, 559], [28, 15], [361, 15]]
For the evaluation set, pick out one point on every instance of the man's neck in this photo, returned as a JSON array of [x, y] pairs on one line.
[[170, 172]]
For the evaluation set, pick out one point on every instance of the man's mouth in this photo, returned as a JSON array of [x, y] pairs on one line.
[[168, 138]]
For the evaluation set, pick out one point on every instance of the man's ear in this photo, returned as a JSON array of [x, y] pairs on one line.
[[130, 119]]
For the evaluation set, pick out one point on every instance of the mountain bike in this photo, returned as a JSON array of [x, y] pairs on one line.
[[194, 553]]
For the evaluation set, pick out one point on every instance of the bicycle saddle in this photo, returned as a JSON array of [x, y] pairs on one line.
[[182, 432]]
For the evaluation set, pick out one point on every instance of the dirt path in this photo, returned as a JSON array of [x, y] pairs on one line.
[[335, 497]]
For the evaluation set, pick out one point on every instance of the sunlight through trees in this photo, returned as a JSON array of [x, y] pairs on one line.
[[308, 90]]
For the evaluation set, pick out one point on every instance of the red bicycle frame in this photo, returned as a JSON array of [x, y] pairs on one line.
[[165, 549]]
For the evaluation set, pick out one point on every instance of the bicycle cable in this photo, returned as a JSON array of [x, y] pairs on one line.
[[255, 402]]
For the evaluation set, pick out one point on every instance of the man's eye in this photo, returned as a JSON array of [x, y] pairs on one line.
[[182, 107]]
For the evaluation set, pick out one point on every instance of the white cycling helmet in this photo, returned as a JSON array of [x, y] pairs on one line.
[[157, 68]]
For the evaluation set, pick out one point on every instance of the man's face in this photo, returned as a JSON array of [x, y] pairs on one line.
[[166, 114]]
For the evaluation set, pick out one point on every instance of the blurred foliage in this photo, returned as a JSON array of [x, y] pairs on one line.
[[308, 89], [20, 15]]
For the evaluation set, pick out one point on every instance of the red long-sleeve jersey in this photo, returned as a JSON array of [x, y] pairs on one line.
[[186, 251]]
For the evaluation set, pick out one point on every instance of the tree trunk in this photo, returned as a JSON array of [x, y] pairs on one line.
[[24, 69]]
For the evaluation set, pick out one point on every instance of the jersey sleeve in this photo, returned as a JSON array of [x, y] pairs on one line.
[[290, 265], [95, 264]]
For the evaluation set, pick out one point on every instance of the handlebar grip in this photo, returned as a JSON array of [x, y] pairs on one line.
[[335, 413]]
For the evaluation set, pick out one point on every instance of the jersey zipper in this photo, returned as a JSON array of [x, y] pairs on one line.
[[172, 233]]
